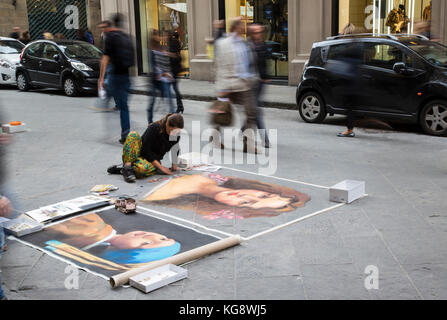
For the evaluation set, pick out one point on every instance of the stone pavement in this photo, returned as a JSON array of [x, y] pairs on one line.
[[275, 96], [401, 227]]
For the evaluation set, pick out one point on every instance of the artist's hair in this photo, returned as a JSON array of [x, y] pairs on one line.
[[117, 20], [139, 256], [174, 120], [206, 206]]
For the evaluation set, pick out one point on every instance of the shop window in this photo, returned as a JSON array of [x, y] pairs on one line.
[[386, 16]]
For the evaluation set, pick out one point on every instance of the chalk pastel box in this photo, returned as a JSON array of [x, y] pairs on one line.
[[17, 227], [157, 278]]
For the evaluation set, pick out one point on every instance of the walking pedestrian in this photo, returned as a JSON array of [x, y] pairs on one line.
[[15, 34], [162, 75], [80, 35], [25, 39], [256, 36], [119, 52], [175, 48], [89, 36], [237, 78], [142, 156]]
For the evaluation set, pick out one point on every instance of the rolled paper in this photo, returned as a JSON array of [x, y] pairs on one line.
[[178, 259]]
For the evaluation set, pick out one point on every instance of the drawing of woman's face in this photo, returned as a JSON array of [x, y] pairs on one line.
[[141, 240], [253, 199]]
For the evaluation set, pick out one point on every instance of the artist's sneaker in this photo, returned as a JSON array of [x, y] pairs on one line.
[[129, 175], [115, 169]]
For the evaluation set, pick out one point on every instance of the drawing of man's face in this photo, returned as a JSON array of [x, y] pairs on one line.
[[253, 199], [141, 240]]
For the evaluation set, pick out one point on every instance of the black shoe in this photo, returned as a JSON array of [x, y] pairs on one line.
[[129, 175], [122, 141], [346, 135], [115, 169], [180, 110]]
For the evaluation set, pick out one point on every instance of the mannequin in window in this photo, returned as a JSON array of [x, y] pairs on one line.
[[397, 20], [426, 14]]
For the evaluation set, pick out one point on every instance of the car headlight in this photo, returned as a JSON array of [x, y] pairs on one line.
[[81, 66], [6, 64]]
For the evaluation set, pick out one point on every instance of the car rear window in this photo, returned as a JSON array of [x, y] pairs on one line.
[[10, 47], [345, 51]]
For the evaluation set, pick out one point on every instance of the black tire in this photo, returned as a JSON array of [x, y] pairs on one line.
[[22, 82], [312, 107], [69, 86], [433, 118]]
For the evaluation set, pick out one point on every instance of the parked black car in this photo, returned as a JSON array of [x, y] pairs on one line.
[[393, 77], [73, 66]]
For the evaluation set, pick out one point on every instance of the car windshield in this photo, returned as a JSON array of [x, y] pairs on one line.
[[10, 47], [81, 51], [435, 53]]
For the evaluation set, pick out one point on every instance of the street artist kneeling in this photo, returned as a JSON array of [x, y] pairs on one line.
[[142, 156]]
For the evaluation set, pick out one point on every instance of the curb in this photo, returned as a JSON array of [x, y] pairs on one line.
[[267, 104]]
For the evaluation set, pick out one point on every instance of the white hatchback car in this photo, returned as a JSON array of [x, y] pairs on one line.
[[10, 50]]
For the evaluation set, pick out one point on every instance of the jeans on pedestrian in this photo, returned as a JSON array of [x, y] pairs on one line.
[[120, 86], [165, 89], [260, 116], [177, 94]]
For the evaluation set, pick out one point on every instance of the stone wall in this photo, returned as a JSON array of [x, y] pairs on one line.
[[13, 16]]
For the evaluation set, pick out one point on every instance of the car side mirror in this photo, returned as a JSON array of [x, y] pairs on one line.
[[400, 67], [56, 57]]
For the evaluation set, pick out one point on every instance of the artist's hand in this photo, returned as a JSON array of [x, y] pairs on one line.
[[4, 138], [5, 207], [166, 171], [174, 168]]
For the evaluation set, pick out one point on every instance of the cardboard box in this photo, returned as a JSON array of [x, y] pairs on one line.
[[157, 278], [192, 159], [347, 191], [7, 128], [33, 227]]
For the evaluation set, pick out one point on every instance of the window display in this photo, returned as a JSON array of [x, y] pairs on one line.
[[386, 16]]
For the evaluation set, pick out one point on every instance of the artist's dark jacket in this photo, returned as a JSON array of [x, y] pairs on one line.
[[156, 144], [262, 54]]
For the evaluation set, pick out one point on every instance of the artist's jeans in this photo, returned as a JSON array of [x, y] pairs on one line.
[[165, 89], [120, 87]]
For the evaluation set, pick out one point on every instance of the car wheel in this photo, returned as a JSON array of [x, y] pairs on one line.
[[312, 108], [22, 82], [70, 87], [434, 118]]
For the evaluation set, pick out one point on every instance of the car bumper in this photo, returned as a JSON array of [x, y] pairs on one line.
[[7, 76]]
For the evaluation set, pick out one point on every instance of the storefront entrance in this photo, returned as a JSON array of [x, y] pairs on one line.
[[165, 16], [273, 15]]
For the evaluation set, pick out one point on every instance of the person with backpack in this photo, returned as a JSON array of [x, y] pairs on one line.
[[118, 51]]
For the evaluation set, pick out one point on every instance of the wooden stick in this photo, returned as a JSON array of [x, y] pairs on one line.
[[179, 259]]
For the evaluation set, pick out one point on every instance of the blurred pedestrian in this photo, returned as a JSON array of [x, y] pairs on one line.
[[48, 36], [118, 52], [80, 35], [175, 48], [89, 36], [350, 71], [25, 39], [59, 36], [162, 76], [5, 205], [15, 34], [262, 54], [237, 78]]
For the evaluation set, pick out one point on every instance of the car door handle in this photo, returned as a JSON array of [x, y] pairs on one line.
[[367, 77]]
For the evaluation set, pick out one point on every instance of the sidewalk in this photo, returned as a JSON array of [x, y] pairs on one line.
[[275, 96]]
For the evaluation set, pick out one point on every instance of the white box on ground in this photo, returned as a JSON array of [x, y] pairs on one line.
[[7, 128], [192, 159], [21, 227], [347, 191], [157, 278]]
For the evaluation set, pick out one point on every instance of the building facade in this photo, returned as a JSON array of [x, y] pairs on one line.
[[292, 26]]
